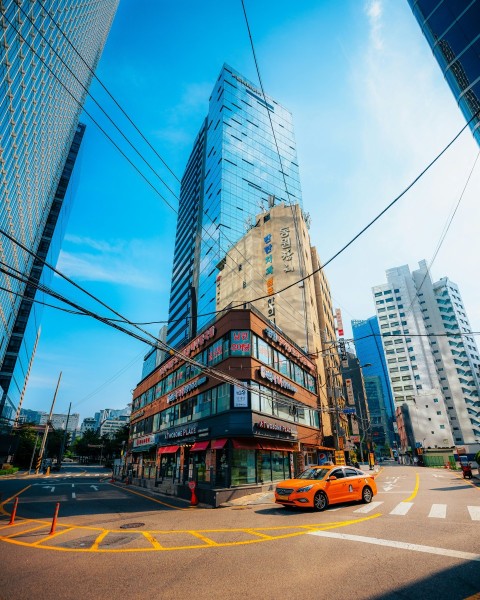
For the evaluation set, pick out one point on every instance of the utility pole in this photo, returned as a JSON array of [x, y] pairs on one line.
[[47, 426], [64, 439]]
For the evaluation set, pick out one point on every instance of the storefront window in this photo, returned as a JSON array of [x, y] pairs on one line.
[[283, 365], [243, 467], [204, 405], [264, 466], [280, 465], [199, 459], [264, 353]]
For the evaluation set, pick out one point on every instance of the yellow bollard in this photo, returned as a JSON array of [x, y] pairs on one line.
[[48, 471]]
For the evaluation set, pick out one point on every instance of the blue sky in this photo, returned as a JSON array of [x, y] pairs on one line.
[[370, 110]]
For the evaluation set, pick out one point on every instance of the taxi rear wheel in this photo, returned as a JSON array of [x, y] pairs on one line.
[[367, 495], [320, 502]]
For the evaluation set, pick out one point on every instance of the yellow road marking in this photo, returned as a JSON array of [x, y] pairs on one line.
[[262, 535], [152, 540], [207, 541], [415, 491], [149, 497], [24, 531], [2, 509], [49, 537], [97, 542]]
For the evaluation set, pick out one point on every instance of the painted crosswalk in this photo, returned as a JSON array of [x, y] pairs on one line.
[[436, 511]]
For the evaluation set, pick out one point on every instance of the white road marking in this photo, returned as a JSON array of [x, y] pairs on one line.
[[438, 511], [73, 485], [73, 495], [388, 487], [50, 487], [474, 512], [368, 507], [94, 487], [400, 545], [402, 508]]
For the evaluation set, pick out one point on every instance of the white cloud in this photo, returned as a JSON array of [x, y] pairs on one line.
[[374, 10], [134, 263]]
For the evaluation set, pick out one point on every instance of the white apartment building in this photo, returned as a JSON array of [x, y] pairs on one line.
[[433, 362]]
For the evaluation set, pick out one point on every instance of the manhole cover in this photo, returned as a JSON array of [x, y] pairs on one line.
[[132, 525]]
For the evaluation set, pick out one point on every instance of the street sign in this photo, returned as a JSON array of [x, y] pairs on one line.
[[349, 411], [343, 352]]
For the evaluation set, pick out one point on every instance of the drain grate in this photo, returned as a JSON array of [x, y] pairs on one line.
[[132, 525]]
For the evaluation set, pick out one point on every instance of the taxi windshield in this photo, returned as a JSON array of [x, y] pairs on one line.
[[314, 474]]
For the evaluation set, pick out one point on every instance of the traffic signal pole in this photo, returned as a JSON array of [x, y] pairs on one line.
[[47, 427]]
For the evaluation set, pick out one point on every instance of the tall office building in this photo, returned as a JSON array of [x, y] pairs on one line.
[[369, 349], [234, 171], [432, 358], [451, 29], [40, 138]]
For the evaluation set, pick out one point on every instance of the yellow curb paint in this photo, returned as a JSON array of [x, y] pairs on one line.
[[415, 491], [98, 541], [153, 541]]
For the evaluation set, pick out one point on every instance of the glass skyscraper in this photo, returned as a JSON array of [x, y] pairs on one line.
[[40, 105], [451, 27], [369, 349], [233, 172]]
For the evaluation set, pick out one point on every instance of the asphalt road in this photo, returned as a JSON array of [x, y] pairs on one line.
[[418, 539]]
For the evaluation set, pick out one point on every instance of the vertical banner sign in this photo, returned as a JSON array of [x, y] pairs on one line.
[[343, 353], [338, 316], [349, 386]]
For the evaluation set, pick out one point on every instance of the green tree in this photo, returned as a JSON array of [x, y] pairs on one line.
[[26, 443]]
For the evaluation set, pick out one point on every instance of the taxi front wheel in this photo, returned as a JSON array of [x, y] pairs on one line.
[[367, 495], [320, 502]]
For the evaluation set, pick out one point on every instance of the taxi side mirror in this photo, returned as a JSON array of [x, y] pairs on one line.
[[332, 478]]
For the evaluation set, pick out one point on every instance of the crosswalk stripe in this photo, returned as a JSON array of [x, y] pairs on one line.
[[438, 511], [474, 512], [368, 507], [402, 508]]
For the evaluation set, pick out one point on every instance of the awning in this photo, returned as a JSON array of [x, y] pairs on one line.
[[199, 446], [168, 449], [144, 448], [246, 444], [218, 444]]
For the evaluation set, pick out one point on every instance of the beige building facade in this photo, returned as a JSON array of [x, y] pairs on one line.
[[273, 255]]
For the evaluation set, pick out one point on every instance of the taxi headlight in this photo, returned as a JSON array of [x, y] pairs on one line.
[[307, 488]]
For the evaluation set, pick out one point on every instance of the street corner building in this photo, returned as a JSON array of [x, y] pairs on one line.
[[230, 438]]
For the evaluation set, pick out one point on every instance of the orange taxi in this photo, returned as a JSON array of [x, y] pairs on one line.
[[317, 487]]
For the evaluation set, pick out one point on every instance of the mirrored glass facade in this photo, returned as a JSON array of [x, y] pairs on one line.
[[39, 141], [452, 30], [233, 172]]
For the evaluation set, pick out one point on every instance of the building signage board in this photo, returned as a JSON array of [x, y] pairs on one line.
[[189, 349], [182, 391], [273, 335], [145, 440], [276, 379], [241, 344], [338, 316], [181, 433], [349, 387], [240, 397], [287, 254], [343, 353], [349, 411], [279, 427]]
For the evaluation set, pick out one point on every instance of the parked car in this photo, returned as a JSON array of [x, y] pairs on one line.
[[317, 487]]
